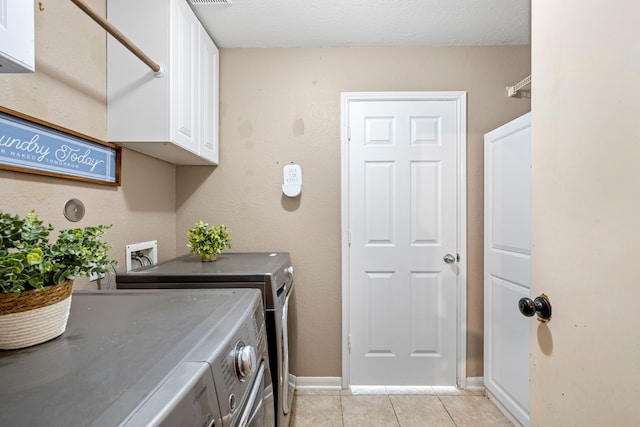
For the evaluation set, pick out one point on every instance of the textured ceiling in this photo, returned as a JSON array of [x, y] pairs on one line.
[[303, 23]]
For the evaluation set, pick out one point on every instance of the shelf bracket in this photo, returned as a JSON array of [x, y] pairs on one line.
[[513, 90]]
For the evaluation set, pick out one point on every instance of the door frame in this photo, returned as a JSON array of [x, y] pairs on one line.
[[460, 97]]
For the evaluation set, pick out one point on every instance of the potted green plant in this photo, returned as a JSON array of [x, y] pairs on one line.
[[36, 276], [208, 242]]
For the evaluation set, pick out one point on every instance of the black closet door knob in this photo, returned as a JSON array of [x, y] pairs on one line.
[[527, 307], [540, 305]]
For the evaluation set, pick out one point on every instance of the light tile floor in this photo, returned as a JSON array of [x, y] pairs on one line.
[[387, 406]]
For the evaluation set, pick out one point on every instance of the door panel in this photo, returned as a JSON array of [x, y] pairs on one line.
[[379, 214], [425, 324], [403, 210], [506, 376], [508, 264], [425, 203], [379, 291]]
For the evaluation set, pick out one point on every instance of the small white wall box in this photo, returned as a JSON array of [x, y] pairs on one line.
[[292, 186], [141, 254], [95, 276]]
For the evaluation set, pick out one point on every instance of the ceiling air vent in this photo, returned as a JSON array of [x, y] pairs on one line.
[[210, 1]]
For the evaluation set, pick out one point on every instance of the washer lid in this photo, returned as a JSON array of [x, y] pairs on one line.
[[118, 347], [229, 267]]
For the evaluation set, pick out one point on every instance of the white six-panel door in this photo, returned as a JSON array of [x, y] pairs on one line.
[[507, 264], [402, 221]]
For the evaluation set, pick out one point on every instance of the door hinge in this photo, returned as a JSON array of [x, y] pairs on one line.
[[349, 238], [349, 343], [349, 133]]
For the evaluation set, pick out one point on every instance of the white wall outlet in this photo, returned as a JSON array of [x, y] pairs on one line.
[[141, 254], [95, 276]]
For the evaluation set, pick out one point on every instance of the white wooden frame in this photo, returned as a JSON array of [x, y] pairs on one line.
[[461, 100]]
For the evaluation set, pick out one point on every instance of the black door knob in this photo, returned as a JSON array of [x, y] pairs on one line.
[[540, 305], [527, 307]]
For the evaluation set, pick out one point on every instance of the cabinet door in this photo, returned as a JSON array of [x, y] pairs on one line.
[[184, 77], [16, 36], [208, 97]]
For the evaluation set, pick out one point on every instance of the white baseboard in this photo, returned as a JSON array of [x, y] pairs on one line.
[[504, 410], [475, 383], [319, 383], [335, 383]]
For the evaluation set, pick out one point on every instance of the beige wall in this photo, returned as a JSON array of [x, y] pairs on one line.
[[68, 89], [585, 234], [283, 105]]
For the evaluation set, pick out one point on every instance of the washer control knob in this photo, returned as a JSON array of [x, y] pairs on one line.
[[245, 358], [288, 271]]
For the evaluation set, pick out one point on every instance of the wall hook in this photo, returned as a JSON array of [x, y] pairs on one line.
[[41, 6]]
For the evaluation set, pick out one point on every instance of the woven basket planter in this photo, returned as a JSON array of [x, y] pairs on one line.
[[35, 316]]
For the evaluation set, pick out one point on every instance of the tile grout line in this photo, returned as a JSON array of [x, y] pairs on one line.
[[447, 409], [394, 410]]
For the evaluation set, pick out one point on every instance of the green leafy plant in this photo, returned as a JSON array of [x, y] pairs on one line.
[[28, 260], [208, 242]]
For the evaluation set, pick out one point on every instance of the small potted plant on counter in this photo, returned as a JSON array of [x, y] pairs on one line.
[[208, 242], [36, 276]]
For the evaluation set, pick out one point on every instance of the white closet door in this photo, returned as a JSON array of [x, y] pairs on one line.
[[507, 264]]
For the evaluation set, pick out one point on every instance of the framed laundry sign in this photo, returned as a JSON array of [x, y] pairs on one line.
[[34, 146]]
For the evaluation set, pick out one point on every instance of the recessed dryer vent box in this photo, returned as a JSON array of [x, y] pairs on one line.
[[141, 254]]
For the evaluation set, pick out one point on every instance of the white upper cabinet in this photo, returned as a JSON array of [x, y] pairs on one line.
[[17, 51], [173, 117], [209, 103]]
